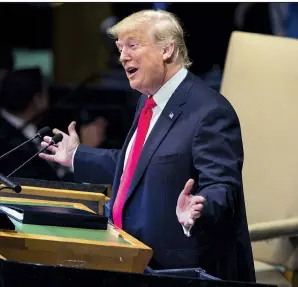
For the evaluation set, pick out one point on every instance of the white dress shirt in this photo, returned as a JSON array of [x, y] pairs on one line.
[[29, 131]]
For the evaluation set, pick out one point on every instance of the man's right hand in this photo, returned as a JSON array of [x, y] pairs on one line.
[[62, 153]]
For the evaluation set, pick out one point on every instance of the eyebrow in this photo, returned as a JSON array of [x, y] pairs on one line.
[[127, 40]]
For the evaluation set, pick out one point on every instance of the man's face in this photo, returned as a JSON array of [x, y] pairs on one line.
[[41, 101], [39, 104], [142, 60]]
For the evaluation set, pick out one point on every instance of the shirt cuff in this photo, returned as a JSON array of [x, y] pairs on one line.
[[72, 161], [186, 230]]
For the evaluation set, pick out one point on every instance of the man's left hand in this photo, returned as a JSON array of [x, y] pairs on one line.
[[189, 207]]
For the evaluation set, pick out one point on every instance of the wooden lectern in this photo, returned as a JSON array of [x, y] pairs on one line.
[[110, 249]]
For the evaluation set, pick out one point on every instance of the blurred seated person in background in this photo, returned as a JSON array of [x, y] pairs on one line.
[[22, 97], [94, 134], [279, 19]]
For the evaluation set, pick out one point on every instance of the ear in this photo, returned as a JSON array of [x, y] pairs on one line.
[[168, 52]]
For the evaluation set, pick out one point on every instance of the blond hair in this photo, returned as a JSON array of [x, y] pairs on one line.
[[167, 29]]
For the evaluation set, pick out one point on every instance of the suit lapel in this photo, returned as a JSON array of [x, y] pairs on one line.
[[168, 117]]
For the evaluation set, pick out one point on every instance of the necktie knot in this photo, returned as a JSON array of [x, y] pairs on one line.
[[150, 104]]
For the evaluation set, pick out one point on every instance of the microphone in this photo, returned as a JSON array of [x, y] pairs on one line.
[[41, 133], [9, 184], [55, 139]]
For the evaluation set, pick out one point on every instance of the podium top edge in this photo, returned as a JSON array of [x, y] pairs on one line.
[[87, 187]]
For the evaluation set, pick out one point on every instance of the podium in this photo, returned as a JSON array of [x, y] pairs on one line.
[[41, 275], [91, 195], [110, 249]]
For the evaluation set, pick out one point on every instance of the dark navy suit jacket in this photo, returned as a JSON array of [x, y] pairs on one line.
[[10, 137], [201, 141]]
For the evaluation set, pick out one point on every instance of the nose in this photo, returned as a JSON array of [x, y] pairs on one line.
[[124, 56]]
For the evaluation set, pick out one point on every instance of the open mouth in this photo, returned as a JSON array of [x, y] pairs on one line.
[[131, 71]]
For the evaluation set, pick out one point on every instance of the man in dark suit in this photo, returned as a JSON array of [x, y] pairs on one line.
[[183, 132], [22, 96]]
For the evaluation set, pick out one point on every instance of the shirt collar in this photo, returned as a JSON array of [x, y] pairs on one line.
[[165, 92], [29, 131]]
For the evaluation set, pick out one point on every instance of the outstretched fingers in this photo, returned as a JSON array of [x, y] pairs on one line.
[[51, 148], [48, 157], [57, 131]]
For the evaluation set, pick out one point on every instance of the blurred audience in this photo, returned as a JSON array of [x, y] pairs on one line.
[[280, 19], [22, 97]]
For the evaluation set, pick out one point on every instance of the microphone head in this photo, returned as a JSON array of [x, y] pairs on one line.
[[17, 188], [57, 138], [43, 132]]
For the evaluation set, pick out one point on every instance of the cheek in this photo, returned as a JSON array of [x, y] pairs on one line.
[[156, 69], [150, 66], [153, 66]]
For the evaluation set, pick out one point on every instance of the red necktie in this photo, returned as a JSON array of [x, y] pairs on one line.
[[143, 126]]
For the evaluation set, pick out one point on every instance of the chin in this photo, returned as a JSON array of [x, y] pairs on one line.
[[135, 86], [139, 86]]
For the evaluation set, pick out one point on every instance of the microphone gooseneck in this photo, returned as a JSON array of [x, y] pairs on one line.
[[55, 139], [41, 133], [9, 184]]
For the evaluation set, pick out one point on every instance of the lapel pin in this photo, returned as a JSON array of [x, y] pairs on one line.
[[171, 115]]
